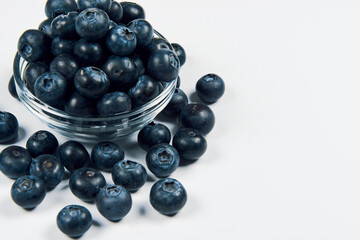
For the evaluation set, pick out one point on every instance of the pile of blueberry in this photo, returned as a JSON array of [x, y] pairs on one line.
[[100, 57]]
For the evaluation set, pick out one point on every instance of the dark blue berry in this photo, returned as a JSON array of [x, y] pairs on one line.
[[73, 155], [154, 45], [162, 160], [74, 220], [28, 191], [112, 103], [51, 88], [197, 116], [121, 41], [91, 82], [102, 4], [79, 106], [62, 46], [177, 102], [12, 88], [180, 52], [92, 24], [32, 72], [139, 63], [152, 134], [34, 45], [116, 12], [54, 8], [64, 25], [85, 183], [145, 90], [88, 53], [143, 31], [45, 27], [168, 196], [9, 127], [210, 88], [121, 71], [49, 169], [106, 154], [15, 161], [66, 65], [42, 142], [131, 175], [113, 202], [131, 11], [189, 143], [178, 82], [163, 65]]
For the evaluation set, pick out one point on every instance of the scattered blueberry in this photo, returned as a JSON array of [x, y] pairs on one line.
[[54, 8], [180, 52], [189, 143], [34, 45], [15, 161], [92, 24], [9, 127], [121, 41], [152, 134], [106, 154], [210, 88], [73, 155], [163, 65], [32, 72], [66, 65], [177, 102], [197, 116], [74, 220], [12, 88], [131, 175], [131, 11], [162, 160], [113, 103], [42, 142], [91, 82], [28, 191]]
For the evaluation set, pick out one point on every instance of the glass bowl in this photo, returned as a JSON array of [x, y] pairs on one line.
[[91, 129]]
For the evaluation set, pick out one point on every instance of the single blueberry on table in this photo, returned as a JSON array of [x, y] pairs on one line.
[[92, 24], [210, 88], [116, 12], [73, 155], [177, 102], [34, 45], [49, 169], [101, 4], [152, 134], [180, 52], [64, 25], [15, 161], [51, 88], [9, 127], [74, 220], [28, 191], [12, 88], [91, 82], [66, 65], [112, 103], [189, 143], [163, 65], [162, 160], [88, 53], [145, 90], [106, 154], [121, 41], [45, 27], [143, 31], [85, 183], [129, 174], [42, 142], [62, 46], [54, 8], [32, 72], [168, 196], [131, 11], [79, 106], [197, 116], [113, 202]]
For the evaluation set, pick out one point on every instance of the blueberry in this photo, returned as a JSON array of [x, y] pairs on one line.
[[210, 88], [85, 183], [73, 155], [131, 175], [88, 53], [12, 88], [152, 134], [106, 154], [9, 127], [54, 8], [145, 90], [163, 65], [180, 52], [32, 72], [139, 63], [42, 142], [122, 72], [92, 24], [113, 202], [168, 196], [131, 11], [189, 143], [74, 220], [28, 191], [177, 102], [197, 116], [49, 169], [15, 161], [156, 44], [116, 12], [112, 103], [62, 46], [178, 82], [64, 25], [79, 106], [102, 4], [34, 45], [66, 65], [45, 27], [121, 41], [162, 160], [143, 31], [91, 82], [51, 88]]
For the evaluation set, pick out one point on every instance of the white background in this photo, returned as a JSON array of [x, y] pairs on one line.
[[283, 160]]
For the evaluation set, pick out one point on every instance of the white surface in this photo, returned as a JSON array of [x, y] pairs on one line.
[[283, 158]]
